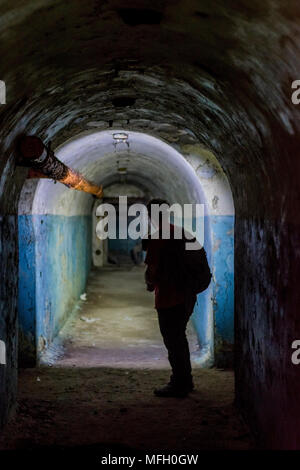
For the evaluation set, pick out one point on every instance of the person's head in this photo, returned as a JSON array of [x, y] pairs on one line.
[[157, 209]]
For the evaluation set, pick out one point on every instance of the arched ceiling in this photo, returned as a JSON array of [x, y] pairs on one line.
[[147, 161], [205, 68]]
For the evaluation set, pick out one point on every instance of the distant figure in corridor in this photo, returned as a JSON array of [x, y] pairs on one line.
[[174, 302]]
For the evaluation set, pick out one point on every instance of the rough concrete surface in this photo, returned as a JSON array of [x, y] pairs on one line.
[[82, 406], [117, 325]]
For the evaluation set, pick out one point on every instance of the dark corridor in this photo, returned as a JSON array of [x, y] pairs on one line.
[[191, 101]]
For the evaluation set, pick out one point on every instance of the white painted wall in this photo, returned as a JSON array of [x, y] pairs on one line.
[[153, 166]]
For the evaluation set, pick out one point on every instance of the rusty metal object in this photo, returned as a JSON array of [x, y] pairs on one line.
[[44, 164], [35, 174]]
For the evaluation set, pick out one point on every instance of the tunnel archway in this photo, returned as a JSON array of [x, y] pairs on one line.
[[63, 217], [221, 74]]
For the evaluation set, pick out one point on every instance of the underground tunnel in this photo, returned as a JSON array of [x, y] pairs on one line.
[[201, 93], [51, 280]]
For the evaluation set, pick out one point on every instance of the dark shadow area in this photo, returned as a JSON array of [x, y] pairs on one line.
[[116, 407], [123, 101], [137, 16]]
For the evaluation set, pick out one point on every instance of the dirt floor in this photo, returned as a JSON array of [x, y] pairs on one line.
[[83, 406], [94, 391]]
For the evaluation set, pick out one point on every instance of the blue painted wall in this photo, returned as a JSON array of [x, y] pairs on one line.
[[223, 259], [27, 288], [55, 258], [202, 315], [219, 246]]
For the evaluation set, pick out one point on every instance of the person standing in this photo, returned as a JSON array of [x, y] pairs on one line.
[[174, 302]]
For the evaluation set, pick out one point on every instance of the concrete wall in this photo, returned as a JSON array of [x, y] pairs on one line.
[[223, 290], [55, 258], [8, 315], [219, 245], [99, 247], [27, 310], [218, 299]]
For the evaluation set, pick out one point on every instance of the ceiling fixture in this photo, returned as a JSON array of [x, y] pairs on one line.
[[120, 136]]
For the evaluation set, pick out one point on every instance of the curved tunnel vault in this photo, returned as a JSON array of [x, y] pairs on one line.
[[218, 74], [60, 219]]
